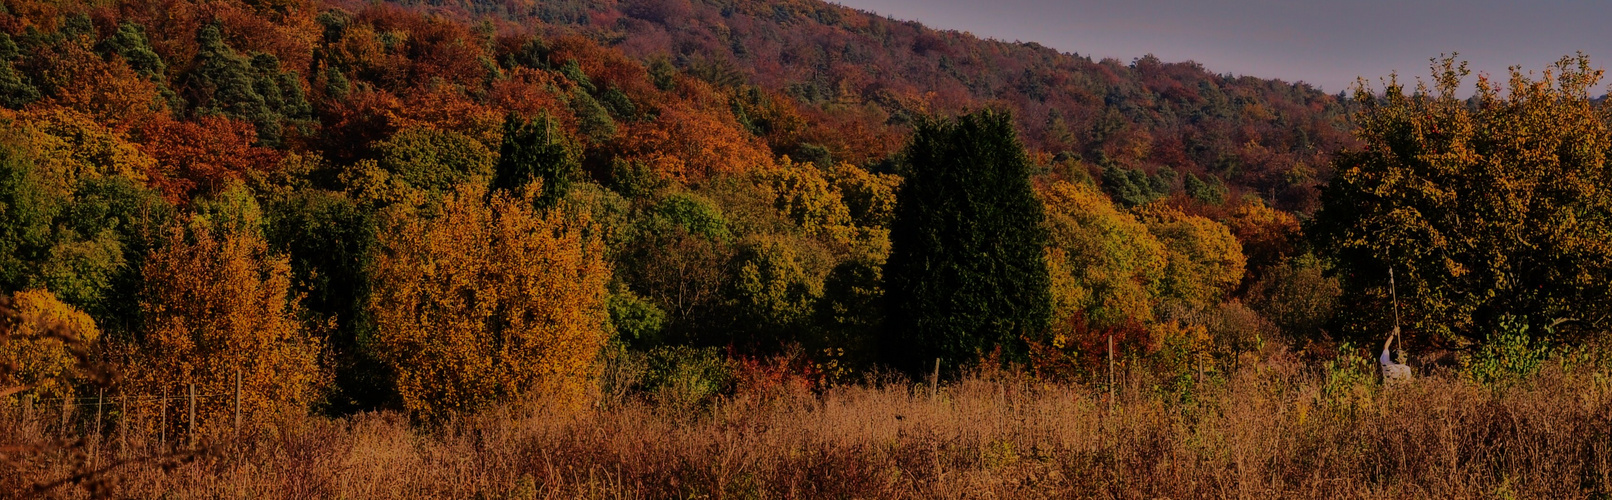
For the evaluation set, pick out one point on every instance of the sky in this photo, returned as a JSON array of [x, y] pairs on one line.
[[1324, 43]]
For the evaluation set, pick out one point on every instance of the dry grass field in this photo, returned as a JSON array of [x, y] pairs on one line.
[[1275, 428]]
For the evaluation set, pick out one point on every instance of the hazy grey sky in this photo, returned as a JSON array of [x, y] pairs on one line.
[[1325, 43]]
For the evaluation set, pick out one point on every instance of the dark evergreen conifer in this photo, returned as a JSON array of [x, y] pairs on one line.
[[254, 89], [535, 149], [15, 89], [966, 274], [130, 43]]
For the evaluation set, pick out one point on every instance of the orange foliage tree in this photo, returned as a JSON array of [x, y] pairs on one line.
[[691, 145], [217, 303], [203, 156], [78, 78], [488, 301], [1269, 236]]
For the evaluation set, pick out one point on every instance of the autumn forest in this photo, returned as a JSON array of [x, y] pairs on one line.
[[783, 248]]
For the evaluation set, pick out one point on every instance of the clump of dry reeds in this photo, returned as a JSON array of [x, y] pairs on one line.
[[1272, 428]]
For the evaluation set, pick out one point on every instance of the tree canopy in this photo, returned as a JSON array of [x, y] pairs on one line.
[[1485, 208]]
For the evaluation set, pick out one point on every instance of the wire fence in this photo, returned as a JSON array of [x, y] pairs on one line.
[[122, 416]]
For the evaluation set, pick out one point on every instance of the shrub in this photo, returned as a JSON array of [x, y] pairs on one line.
[[681, 377], [1296, 297], [1511, 353]]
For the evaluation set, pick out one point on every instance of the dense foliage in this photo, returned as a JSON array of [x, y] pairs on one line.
[[1488, 209], [486, 302], [433, 208]]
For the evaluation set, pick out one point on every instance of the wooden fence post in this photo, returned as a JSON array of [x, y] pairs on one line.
[[190, 431], [163, 403], [123, 426], [934, 381], [63, 429], [1110, 372], [100, 400]]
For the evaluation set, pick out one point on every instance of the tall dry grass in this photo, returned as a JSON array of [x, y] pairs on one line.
[[1275, 428]]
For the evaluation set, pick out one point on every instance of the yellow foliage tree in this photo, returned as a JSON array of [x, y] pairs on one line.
[[802, 193], [1268, 235], [68, 147], [488, 301], [870, 197], [1206, 261], [1490, 208], [217, 304], [1103, 261], [37, 358], [816, 202]]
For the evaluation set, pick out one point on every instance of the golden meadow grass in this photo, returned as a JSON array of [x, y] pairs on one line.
[[1278, 428]]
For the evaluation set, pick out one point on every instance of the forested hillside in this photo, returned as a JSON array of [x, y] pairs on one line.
[[858, 79], [442, 206], [303, 249]]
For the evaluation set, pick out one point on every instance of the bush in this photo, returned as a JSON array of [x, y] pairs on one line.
[[638, 322], [682, 377], [1296, 297], [1512, 353]]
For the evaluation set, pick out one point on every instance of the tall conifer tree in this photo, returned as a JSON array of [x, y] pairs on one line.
[[966, 273]]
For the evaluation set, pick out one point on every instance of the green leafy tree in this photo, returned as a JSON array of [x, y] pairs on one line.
[[8, 48], [328, 240], [1486, 208], [71, 220], [637, 321], [677, 260], [618, 103], [663, 73], [434, 160], [1133, 187], [966, 273], [1212, 191], [850, 313], [772, 290], [15, 88], [1296, 296]]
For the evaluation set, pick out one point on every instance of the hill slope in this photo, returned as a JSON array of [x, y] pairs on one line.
[[845, 65]]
